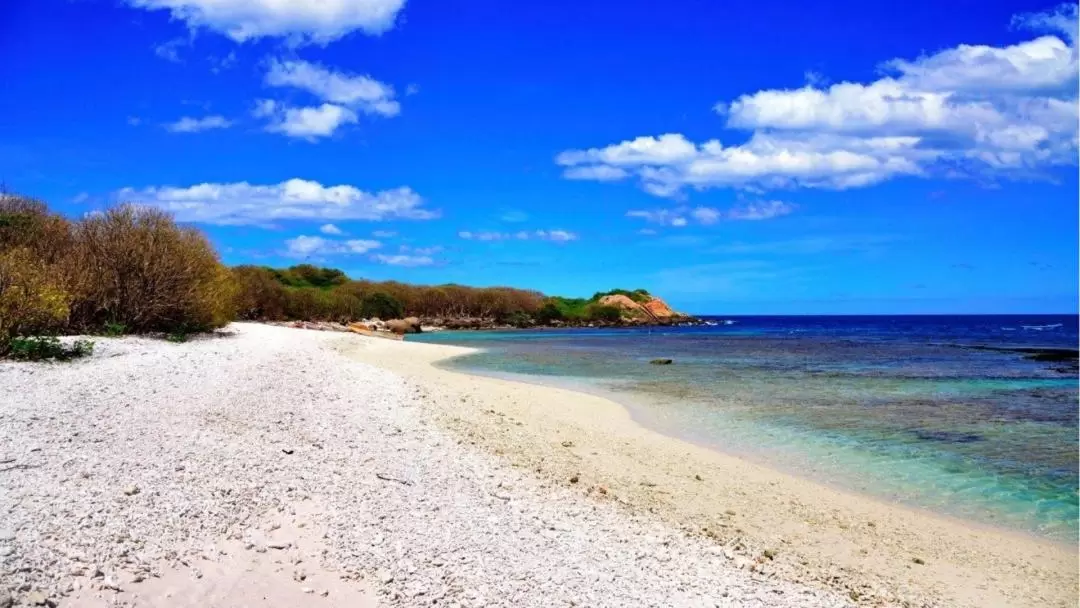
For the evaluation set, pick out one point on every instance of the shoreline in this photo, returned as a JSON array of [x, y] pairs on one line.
[[636, 411], [873, 551], [635, 415]]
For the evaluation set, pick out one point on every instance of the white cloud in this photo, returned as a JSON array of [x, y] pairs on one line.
[[170, 51], [706, 215], [342, 94], [971, 110], [194, 125], [81, 197], [558, 236], [218, 65], [600, 173], [678, 216], [431, 250], [301, 22], [404, 260], [646, 231], [244, 203], [305, 123], [134, 121], [356, 91], [468, 235], [330, 229], [664, 217], [316, 246], [383, 234], [764, 210]]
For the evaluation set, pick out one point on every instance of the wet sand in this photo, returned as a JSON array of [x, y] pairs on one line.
[[771, 522]]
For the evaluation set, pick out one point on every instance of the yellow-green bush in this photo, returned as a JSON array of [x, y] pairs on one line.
[[148, 274], [31, 301]]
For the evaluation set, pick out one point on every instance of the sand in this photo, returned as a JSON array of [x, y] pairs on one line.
[[271, 466], [868, 550]]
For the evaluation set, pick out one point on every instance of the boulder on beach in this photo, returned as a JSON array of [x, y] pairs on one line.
[[404, 326]]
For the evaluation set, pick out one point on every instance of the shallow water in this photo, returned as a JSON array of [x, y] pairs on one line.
[[895, 407]]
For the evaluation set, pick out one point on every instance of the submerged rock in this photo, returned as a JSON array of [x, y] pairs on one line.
[[661, 361]]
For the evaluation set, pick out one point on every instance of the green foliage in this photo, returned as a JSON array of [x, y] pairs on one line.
[[602, 313], [550, 313], [518, 318], [178, 336], [41, 348], [383, 306], [306, 275], [638, 295], [113, 329]]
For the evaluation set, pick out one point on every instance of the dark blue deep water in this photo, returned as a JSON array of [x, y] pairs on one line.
[[913, 408]]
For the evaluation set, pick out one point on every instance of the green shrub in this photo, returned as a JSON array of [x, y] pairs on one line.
[[260, 296], [638, 295], [113, 329], [41, 348], [383, 306], [602, 313], [518, 318]]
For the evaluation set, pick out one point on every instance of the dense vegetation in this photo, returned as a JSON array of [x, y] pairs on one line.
[[133, 270], [325, 294], [128, 269]]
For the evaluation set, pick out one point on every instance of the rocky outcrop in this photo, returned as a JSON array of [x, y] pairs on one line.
[[653, 310]]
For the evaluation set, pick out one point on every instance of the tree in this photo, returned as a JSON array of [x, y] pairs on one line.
[[382, 305]]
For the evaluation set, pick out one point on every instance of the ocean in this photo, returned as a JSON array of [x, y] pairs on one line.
[[913, 409]]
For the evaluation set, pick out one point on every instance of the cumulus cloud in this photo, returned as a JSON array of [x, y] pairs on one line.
[[356, 91], [306, 22], [295, 199], [330, 229], [971, 110], [194, 125], [308, 123], [343, 96], [317, 246], [558, 236]]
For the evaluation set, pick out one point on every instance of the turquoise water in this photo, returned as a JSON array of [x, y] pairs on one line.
[[905, 415]]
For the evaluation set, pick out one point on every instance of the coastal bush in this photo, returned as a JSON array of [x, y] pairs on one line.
[[603, 313], [31, 300], [638, 295], [42, 348], [306, 275], [260, 296], [383, 306], [146, 273], [27, 223]]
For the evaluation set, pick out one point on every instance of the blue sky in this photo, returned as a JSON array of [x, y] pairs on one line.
[[737, 158]]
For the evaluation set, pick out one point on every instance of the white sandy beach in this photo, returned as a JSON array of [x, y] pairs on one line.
[[272, 467]]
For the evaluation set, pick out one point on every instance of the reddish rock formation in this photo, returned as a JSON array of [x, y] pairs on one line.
[[654, 310]]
